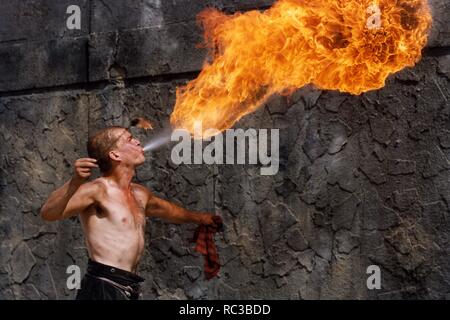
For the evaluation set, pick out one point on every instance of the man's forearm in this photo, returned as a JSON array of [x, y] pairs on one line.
[[55, 205], [181, 215]]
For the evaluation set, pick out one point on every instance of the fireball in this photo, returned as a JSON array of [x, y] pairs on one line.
[[351, 46]]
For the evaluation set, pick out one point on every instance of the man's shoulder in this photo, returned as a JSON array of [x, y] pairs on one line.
[[140, 188], [97, 185], [141, 191]]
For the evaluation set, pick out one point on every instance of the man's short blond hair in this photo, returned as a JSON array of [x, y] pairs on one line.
[[100, 144]]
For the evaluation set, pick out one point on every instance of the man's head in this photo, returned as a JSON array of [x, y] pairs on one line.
[[113, 146]]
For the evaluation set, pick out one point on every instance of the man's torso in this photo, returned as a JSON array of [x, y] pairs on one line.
[[114, 227]]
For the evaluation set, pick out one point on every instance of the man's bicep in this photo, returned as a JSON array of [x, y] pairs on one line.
[[154, 206], [157, 207], [84, 197], [169, 211]]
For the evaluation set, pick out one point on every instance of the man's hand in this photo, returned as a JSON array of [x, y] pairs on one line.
[[211, 220], [82, 169]]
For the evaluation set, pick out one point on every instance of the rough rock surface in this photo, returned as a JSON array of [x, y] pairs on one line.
[[363, 179]]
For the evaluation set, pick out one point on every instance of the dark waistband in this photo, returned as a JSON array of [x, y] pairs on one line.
[[121, 276]]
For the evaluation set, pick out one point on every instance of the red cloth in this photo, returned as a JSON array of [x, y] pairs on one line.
[[204, 239]]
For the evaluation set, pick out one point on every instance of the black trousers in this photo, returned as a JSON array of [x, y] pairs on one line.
[[103, 282]]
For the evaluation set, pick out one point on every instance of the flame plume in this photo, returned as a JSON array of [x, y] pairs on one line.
[[333, 44]]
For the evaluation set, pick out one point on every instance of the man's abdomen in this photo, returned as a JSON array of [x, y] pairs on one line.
[[120, 246]]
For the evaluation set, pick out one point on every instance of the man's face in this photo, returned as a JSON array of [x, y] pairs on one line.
[[128, 149]]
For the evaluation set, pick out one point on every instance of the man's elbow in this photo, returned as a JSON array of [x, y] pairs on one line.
[[47, 216]]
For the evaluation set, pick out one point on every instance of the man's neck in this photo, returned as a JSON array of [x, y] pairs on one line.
[[121, 176]]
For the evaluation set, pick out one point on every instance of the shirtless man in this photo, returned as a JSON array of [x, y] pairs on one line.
[[112, 211]]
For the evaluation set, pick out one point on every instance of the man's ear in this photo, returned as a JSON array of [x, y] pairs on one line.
[[114, 155]]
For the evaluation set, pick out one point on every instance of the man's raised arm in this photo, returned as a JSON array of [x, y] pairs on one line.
[[74, 196]]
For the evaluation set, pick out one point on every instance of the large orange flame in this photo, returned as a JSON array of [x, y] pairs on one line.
[[337, 45]]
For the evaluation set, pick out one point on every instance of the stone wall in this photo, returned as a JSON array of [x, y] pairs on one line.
[[363, 179]]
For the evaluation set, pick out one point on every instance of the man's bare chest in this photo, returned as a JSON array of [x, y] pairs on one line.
[[122, 210]]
